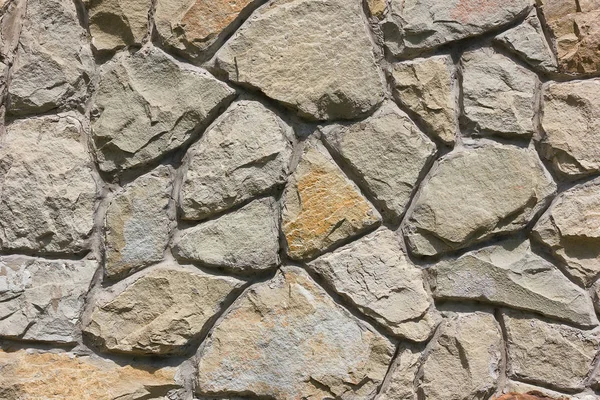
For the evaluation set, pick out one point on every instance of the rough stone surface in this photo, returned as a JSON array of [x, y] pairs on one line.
[[42, 300], [464, 361], [245, 154], [499, 94], [158, 312], [549, 354], [426, 87], [244, 240], [321, 207], [387, 153], [47, 190], [286, 339], [138, 223], [571, 120], [148, 104], [570, 229], [53, 63], [402, 375], [474, 193], [511, 274], [375, 275], [319, 50]]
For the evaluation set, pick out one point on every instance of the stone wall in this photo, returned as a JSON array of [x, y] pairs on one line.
[[299, 199]]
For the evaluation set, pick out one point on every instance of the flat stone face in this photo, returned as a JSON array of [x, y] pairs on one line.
[[53, 64], [375, 274], [26, 376], [499, 94], [147, 104], [464, 361], [47, 191], [388, 153], [511, 274], [325, 66], [549, 354], [138, 223], [321, 207], [286, 339], [42, 300], [425, 86], [246, 153], [570, 229], [571, 120], [159, 311], [474, 193], [244, 240]]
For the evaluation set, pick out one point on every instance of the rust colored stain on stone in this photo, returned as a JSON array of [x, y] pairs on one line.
[[534, 395], [207, 18]]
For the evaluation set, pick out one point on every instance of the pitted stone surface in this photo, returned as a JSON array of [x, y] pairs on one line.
[[286, 339]]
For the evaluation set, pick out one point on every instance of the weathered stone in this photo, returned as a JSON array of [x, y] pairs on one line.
[[377, 8], [499, 94], [571, 121], [245, 154], [286, 339], [159, 311], [528, 41], [193, 26], [402, 376], [425, 86], [555, 9], [524, 396], [541, 392], [549, 354], [117, 23], [464, 361], [148, 104], [325, 66], [420, 25], [570, 229], [511, 274], [34, 376], [53, 64], [321, 207], [138, 223], [246, 239], [11, 17], [42, 300], [47, 191], [473, 194], [375, 274]]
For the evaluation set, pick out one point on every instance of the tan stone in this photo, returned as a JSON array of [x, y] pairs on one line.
[[321, 207], [555, 9], [377, 8], [402, 374]]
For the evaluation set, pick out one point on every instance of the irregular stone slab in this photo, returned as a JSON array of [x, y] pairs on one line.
[[402, 375], [194, 26], [321, 207], [571, 120], [26, 376], [159, 311], [499, 94], [245, 154], [425, 86], [570, 229], [138, 223], [528, 41], [375, 275], [377, 8], [511, 274], [148, 104], [246, 239], [11, 18], [53, 64], [542, 393], [42, 300], [286, 339], [117, 23], [474, 193], [549, 354], [325, 66], [47, 191], [420, 25], [464, 360]]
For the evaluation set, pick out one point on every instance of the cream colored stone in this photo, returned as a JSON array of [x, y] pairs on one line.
[[402, 374]]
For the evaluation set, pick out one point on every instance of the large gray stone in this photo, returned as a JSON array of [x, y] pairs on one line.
[[246, 153], [148, 104], [315, 56]]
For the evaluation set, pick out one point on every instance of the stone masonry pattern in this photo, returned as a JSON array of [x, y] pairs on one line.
[[299, 199]]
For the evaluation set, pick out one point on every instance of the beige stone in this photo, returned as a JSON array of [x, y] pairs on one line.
[[377, 8], [402, 374], [11, 16]]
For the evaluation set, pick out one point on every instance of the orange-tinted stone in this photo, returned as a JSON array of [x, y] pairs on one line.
[[525, 396]]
